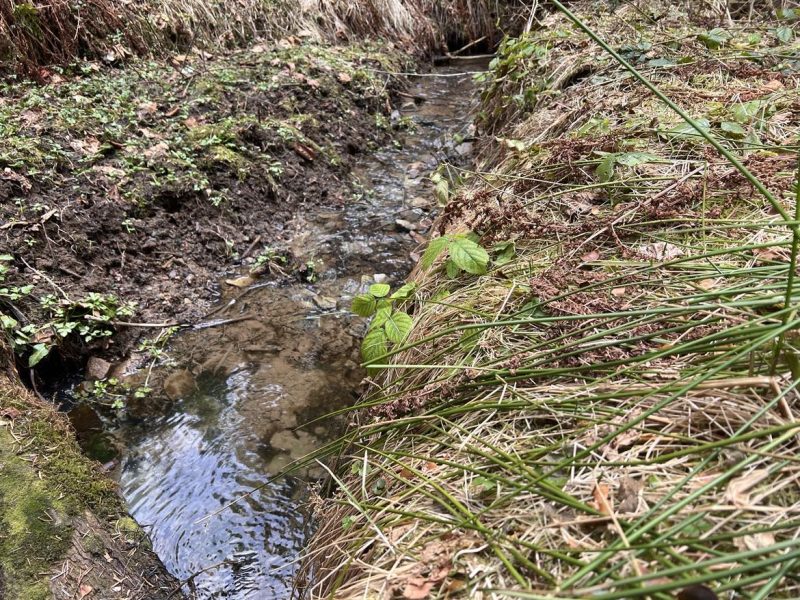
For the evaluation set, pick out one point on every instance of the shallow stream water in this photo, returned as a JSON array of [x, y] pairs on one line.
[[239, 394]]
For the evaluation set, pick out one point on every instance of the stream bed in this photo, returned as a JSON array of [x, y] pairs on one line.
[[239, 394]]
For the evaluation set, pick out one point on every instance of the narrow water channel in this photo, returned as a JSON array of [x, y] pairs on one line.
[[241, 393]]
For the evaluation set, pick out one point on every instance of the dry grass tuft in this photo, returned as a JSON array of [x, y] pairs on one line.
[[613, 413]]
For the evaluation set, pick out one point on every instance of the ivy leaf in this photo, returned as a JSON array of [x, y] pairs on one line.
[[7, 322], [398, 326], [39, 352], [363, 305], [468, 255], [374, 345], [404, 292], [379, 290], [432, 252]]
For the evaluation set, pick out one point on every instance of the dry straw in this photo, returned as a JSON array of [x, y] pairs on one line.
[[613, 412]]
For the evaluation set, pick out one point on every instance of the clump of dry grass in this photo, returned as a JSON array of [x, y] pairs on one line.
[[613, 413], [36, 34]]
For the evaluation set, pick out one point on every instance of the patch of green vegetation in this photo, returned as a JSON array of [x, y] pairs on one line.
[[35, 524]]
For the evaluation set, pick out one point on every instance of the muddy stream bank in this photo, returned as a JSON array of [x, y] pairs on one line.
[[233, 398]]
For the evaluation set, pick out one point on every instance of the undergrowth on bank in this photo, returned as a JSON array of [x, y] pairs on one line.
[[610, 413]]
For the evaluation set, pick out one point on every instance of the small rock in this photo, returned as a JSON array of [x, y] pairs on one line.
[[97, 368], [403, 225], [325, 302], [379, 278], [179, 384], [421, 202], [464, 149]]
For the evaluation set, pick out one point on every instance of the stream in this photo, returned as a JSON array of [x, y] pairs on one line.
[[239, 394]]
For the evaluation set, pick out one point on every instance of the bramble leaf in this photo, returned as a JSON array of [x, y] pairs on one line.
[[364, 305], [398, 326], [468, 255], [379, 290], [432, 252]]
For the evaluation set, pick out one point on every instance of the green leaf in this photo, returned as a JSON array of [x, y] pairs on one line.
[[381, 315], [7, 322], [398, 326], [432, 252], [364, 305], [504, 252], [6, 257], [714, 39], [379, 290], [784, 34], [745, 112], [661, 62], [633, 159], [39, 352], [686, 130], [605, 170], [374, 345], [451, 268], [733, 129], [404, 292], [442, 191], [468, 255]]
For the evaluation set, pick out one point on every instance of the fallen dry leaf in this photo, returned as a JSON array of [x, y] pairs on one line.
[[619, 292], [660, 251], [156, 152], [601, 500], [344, 78], [84, 590], [754, 542], [590, 256], [737, 492], [417, 588], [241, 282]]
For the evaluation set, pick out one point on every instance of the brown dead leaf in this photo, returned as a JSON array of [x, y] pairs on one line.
[[344, 77], [601, 498], [660, 251], [304, 151], [591, 256], [241, 282], [754, 542], [774, 85], [737, 492], [84, 590], [628, 495], [156, 152], [619, 292], [10, 413], [191, 122], [417, 588]]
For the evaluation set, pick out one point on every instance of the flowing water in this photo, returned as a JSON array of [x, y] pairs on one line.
[[239, 394]]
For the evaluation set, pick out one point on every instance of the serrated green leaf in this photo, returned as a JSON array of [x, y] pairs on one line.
[[451, 268], [504, 252], [468, 255], [714, 39], [398, 326], [39, 352], [784, 34], [380, 317], [7, 322], [364, 305], [432, 252], [745, 112], [404, 292], [374, 345], [379, 290], [605, 170]]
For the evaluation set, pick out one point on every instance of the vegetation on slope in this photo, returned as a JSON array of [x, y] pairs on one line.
[[610, 410]]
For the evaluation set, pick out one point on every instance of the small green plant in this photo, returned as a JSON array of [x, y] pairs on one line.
[[389, 325], [464, 254]]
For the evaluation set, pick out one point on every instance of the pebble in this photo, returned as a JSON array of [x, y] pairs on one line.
[[97, 368]]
